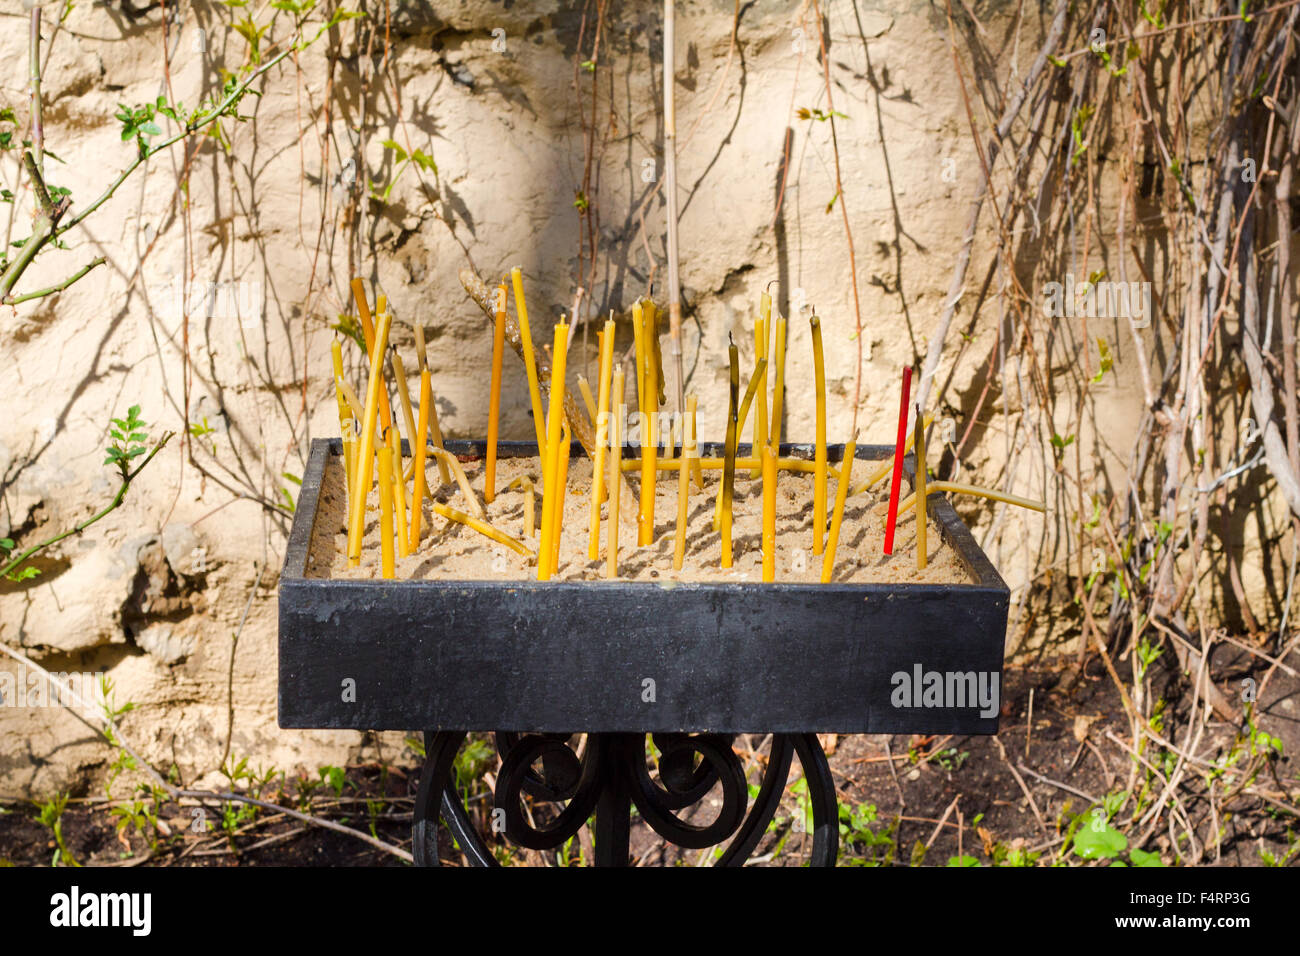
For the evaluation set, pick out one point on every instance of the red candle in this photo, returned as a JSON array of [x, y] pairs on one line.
[[897, 478]]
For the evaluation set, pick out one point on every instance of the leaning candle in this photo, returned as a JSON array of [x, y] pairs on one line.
[[366, 453], [421, 456], [462, 480], [350, 399], [494, 402], [482, 527], [394, 451], [404, 394], [837, 517], [602, 432], [615, 473], [561, 489], [897, 479], [583, 387], [385, 512], [922, 511], [975, 490], [729, 469], [554, 421], [760, 356], [769, 513], [755, 380], [819, 476], [434, 431], [530, 363], [368, 333], [778, 389], [689, 452]]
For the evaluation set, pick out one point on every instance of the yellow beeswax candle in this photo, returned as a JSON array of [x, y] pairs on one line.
[[837, 516], [638, 333], [689, 451], [421, 456], [755, 385], [729, 469], [561, 490], [554, 423], [346, 431], [754, 381], [350, 399], [602, 435], [530, 362], [366, 453], [494, 402], [615, 471], [769, 513], [655, 352], [368, 333], [461, 479], [434, 431], [649, 433], [386, 513], [962, 489], [399, 491], [588, 399], [922, 511], [819, 475], [408, 418], [482, 527], [697, 469], [778, 389]]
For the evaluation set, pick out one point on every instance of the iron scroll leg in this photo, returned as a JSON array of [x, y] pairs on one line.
[[609, 779]]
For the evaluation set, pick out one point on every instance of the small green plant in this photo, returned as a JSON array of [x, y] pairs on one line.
[[862, 844], [1292, 849], [50, 814], [401, 160]]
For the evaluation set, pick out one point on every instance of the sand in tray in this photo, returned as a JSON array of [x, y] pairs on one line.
[[451, 551]]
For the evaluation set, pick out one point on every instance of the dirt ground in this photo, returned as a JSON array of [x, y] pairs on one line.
[[904, 801]]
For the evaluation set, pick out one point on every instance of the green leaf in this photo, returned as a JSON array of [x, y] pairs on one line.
[[1099, 843], [7, 544], [424, 161], [396, 148], [963, 860]]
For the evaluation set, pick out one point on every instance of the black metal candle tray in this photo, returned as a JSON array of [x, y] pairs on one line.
[[693, 664]]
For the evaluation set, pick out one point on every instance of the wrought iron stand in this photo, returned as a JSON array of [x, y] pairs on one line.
[[608, 778]]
